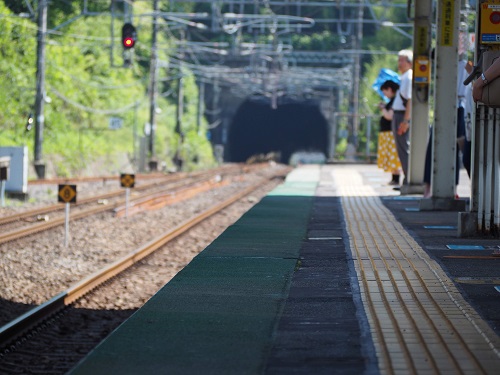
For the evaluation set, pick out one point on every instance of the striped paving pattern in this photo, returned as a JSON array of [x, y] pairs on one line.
[[419, 321]]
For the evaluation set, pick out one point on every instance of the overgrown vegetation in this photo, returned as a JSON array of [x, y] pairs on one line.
[[86, 84]]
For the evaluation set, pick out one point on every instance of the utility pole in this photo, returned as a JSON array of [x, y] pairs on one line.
[[357, 72], [178, 125], [40, 88], [111, 46], [201, 100], [180, 109], [153, 163]]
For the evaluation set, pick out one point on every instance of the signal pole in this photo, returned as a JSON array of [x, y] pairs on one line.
[[153, 163], [40, 88], [357, 71], [201, 101], [178, 125]]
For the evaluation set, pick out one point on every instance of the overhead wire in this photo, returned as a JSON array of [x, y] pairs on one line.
[[114, 111], [96, 84], [197, 68]]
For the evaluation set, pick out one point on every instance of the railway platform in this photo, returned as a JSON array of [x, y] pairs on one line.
[[332, 272]]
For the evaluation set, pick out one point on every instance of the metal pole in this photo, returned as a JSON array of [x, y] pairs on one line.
[[489, 172], [180, 103], [153, 163], [496, 174], [368, 137], [481, 166], [40, 88], [333, 127], [471, 222], [135, 136], [66, 225], [2, 192], [127, 200], [357, 71], [201, 99], [178, 124], [215, 101], [112, 45]]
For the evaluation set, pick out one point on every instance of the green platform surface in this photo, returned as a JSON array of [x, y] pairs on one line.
[[220, 313]]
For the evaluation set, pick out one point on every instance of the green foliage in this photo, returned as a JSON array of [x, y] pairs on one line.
[[87, 84], [341, 147], [389, 37], [324, 41], [17, 52], [370, 99]]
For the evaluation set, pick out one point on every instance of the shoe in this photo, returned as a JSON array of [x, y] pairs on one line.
[[397, 188], [395, 180]]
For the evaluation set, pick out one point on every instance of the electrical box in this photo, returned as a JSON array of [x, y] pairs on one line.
[[18, 169], [4, 168], [422, 71], [489, 27]]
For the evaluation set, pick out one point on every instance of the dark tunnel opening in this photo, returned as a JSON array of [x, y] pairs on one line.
[[293, 126]]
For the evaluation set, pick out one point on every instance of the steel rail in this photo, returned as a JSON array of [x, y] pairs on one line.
[[158, 200], [112, 194], [13, 330], [59, 207], [44, 225], [66, 180]]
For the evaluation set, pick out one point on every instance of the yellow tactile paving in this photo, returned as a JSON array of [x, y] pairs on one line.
[[419, 321]]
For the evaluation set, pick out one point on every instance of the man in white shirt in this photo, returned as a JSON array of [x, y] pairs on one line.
[[402, 110]]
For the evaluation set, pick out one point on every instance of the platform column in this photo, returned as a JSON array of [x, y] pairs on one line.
[[445, 111], [420, 100]]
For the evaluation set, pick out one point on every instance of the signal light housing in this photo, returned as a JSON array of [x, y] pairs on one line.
[[129, 36], [29, 122]]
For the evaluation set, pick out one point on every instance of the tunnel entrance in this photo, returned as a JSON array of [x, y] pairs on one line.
[[293, 126]]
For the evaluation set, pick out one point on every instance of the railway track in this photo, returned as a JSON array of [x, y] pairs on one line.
[[14, 334], [27, 215], [153, 195], [39, 266], [103, 179], [159, 181]]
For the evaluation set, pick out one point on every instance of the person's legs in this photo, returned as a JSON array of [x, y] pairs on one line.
[[466, 156], [402, 143], [427, 167], [460, 140], [395, 178]]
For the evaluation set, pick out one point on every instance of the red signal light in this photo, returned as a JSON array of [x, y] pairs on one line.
[[128, 42], [129, 36]]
